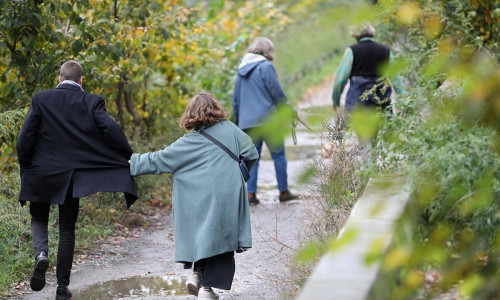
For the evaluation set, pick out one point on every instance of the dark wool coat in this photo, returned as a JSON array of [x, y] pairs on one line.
[[68, 136]]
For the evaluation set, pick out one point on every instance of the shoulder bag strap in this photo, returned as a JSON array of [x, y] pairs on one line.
[[208, 136]]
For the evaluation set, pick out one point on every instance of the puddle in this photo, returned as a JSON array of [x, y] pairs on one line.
[[159, 286]]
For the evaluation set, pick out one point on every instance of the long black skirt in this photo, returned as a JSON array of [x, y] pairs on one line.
[[217, 271]]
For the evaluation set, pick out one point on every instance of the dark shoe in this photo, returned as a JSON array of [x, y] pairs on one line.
[[252, 199], [37, 281], [287, 196], [63, 293]]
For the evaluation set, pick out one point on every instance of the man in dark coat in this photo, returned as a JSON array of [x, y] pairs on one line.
[[69, 147]]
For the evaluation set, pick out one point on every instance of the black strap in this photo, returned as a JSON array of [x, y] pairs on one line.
[[208, 136]]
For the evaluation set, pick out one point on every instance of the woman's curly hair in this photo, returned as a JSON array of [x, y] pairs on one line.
[[203, 109]]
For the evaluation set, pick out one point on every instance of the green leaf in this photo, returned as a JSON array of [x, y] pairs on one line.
[[366, 122], [276, 127], [470, 285], [345, 239], [308, 253]]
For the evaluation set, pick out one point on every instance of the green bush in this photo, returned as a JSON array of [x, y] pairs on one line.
[[444, 138]]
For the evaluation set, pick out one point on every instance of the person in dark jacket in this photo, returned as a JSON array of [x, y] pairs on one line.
[[361, 65], [257, 93], [69, 147]]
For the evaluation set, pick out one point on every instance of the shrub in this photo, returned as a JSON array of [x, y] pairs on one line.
[[445, 141]]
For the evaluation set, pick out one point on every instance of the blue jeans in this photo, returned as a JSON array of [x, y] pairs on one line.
[[280, 164]]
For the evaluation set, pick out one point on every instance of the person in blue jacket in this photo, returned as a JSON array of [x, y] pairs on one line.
[[257, 93]]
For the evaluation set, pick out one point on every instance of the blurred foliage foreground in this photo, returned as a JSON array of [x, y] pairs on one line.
[[445, 137]]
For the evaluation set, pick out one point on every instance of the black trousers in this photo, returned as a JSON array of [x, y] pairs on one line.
[[68, 214], [217, 271]]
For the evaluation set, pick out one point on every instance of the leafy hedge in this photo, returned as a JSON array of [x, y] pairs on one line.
[[445, 137]]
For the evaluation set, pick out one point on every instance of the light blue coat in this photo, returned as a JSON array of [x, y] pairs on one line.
[[257, 91], [210, 202]]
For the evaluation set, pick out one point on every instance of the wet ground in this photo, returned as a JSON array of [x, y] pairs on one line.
[[142, 267]]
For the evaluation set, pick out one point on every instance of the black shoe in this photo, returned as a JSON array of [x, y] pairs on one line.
[[37, 281], [252, 199], [287, 196], [63, 293]]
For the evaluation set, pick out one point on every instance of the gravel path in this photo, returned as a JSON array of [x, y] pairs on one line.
[[142, 267]]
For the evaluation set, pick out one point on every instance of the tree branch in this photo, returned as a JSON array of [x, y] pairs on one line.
[[116, 10], [130, 106], [119, 100], [12, 47], [67, 27]]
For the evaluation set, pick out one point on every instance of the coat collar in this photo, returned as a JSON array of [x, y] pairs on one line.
[[203, 127], [67, 86], [366, 39]]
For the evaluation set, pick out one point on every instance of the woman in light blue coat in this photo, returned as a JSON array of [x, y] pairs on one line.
[[210, 204]]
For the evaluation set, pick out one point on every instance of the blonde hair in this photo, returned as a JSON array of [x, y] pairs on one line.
[[363, 30], [263, 46], [202, 109]]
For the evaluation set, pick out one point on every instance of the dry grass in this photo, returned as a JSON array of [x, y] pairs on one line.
[[339, 181]]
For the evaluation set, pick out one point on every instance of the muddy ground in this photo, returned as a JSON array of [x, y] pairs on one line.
[[142, 267]]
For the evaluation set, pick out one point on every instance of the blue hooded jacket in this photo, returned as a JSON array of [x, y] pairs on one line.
[[257, 91]]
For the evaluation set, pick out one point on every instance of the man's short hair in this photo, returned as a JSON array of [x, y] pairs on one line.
[[263, 46], [71, 70], [363, 30]]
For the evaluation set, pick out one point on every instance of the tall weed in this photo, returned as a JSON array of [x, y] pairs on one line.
[[337, 182]]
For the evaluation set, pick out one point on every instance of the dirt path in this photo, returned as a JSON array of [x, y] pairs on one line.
[[142, 267]]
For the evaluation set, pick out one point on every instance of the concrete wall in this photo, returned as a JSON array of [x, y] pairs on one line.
[[352, 271]]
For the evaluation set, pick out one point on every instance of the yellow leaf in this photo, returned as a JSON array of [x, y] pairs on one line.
[[409, 13], [396, 257], [433, 25], [414, 278]]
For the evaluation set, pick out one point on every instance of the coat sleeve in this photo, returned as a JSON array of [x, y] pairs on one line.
[[236, 100], [247, 149], [158, 162], [342, 76], [26, 140], [272, 83], [111, 131]]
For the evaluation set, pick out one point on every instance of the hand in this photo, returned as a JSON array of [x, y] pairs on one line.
[[335, 108], [129, 161]]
